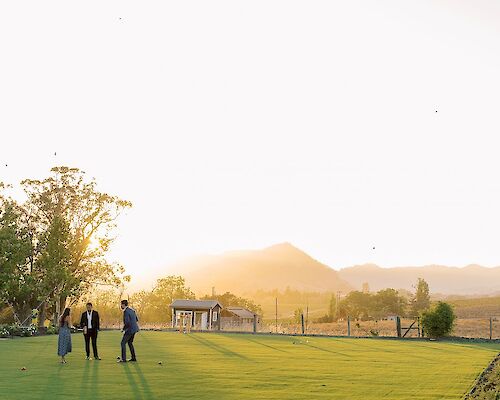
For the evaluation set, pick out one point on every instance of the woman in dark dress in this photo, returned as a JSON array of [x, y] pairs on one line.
[[64, 342]]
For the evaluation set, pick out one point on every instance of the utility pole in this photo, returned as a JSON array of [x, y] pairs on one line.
[[307, 315], [276, 315], [337, 304]]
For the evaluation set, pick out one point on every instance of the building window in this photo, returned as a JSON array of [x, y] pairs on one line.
[[214, 316]]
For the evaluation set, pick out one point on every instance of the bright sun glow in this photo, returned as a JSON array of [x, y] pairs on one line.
[[358, 131]]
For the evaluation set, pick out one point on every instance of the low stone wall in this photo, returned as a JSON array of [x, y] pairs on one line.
[[487, 384]]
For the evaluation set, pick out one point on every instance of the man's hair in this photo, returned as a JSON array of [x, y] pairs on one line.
[[125, 302], [89, 304]]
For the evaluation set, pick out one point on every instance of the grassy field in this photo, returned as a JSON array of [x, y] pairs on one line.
[[232, 366]]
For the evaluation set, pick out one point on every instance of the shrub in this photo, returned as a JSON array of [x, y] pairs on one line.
[[324, 319], [439, 321], [16, 330], [4, 331], [52, 330]]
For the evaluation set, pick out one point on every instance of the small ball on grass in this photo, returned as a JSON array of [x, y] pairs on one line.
[[23, 369], [160, 363]]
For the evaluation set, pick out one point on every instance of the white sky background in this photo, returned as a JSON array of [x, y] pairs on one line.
[[235, 125]]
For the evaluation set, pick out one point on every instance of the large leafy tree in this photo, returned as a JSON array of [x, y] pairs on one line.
[[357, 305], [388, 302], [70, 226], [18, 284]]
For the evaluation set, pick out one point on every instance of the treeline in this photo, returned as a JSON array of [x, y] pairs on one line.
[[53, 245], [153, 306], [379, 305], [289, 300]]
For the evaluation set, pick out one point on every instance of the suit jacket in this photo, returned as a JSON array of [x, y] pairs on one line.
[[95, 320], [130, 320]]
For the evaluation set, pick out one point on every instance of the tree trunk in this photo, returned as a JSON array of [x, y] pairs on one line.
[[42, 316], [60, 306], [23, 313]]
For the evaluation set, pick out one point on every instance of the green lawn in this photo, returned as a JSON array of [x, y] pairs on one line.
[[232, 366]]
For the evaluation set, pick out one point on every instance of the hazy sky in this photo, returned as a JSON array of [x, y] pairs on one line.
[[235, 125]]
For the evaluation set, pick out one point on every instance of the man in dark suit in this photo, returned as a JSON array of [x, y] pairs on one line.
[[130, 328], [90, 324]]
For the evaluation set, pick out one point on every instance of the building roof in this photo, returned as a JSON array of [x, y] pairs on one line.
[[198, 304], [241, 312]]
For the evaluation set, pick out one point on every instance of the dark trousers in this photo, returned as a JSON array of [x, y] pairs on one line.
[[128, 338], [91, 334]]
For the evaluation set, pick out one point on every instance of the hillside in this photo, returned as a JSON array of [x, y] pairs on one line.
[[276, 267], [469, 280]]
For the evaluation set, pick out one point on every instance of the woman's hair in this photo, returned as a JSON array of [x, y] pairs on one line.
[[64, 315]]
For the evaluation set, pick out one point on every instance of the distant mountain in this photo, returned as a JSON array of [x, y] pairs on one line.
[[276, 267], [469, 280]]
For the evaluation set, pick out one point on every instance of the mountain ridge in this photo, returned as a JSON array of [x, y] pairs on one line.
[[472, 279], [275, 267], [284, 265]]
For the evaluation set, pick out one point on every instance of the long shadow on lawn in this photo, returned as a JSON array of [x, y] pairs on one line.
[[144, 382], [366, 347], [431, 346], [266, 345], [94, 378], [84, 386], [48, 392], [217, 347], [251, 339], [181, 368], [355, 343], [326, 350], [131, 381]]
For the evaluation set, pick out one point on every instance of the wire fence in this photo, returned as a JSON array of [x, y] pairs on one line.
[[477, 328], [474, 328]]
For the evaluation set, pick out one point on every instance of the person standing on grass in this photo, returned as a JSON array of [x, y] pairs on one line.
[[130, 328], [64, 341], [90, 324]]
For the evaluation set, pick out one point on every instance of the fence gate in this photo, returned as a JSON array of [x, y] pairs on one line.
[[403, 331]]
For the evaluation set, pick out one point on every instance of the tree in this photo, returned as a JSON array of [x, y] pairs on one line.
[[53, 263], [332, 308], [356, 305], [106, 302], [230, 299], [439, 321], [76, 221], [18, 286], [388, 302], [155, 305], [54, 245], [297, 315], [331, 315], [421, 301]]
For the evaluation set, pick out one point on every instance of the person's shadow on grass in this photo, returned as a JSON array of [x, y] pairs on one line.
[[146, 390]]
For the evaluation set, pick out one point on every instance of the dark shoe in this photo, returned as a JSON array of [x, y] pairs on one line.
[[88, 358], [133, 360], [121, 361], [97, 358]]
